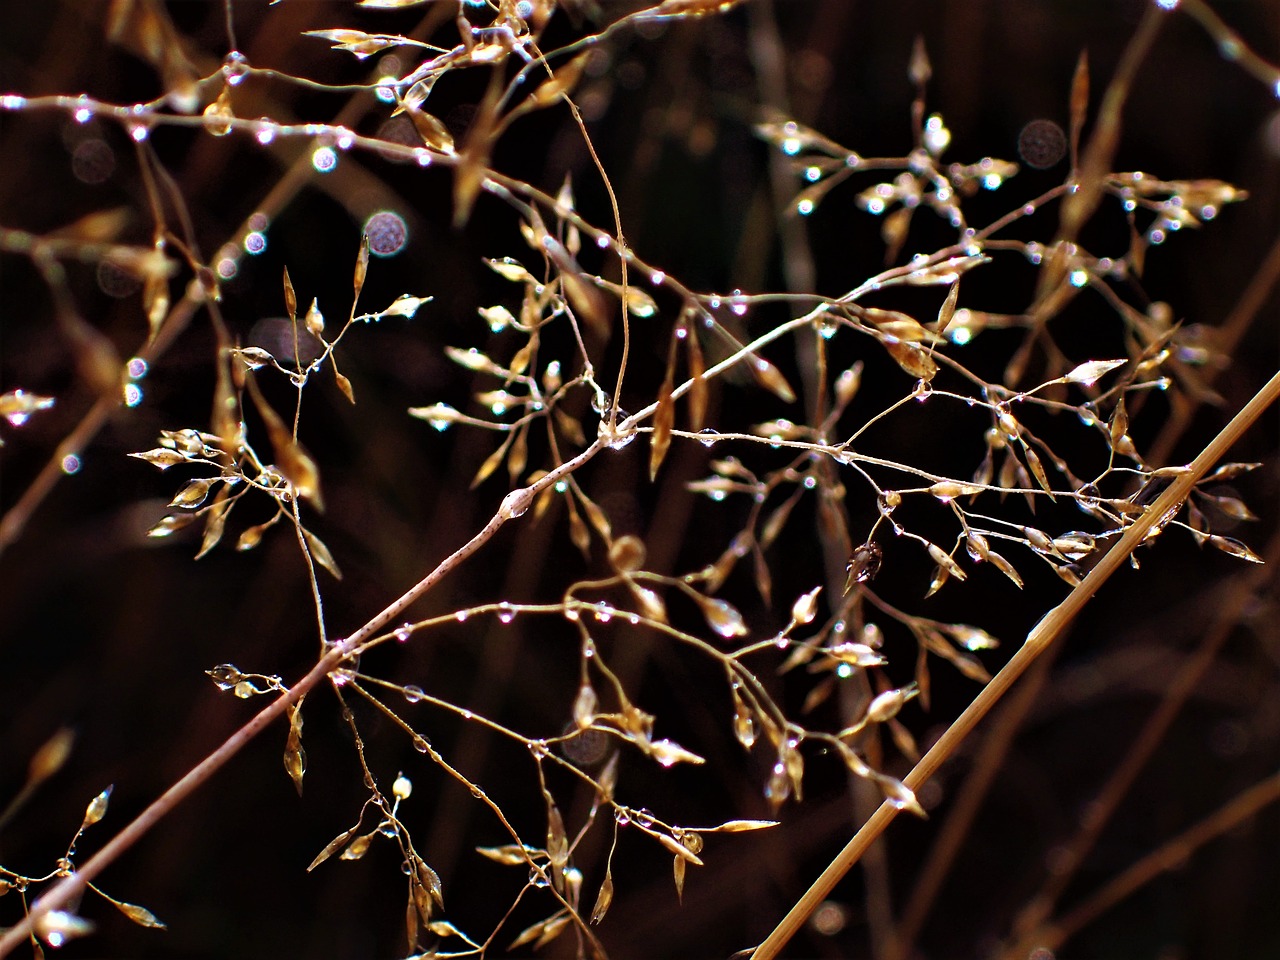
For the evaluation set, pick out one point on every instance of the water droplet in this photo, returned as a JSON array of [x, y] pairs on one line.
[[404, 632], [604, 612], [461, 616], [139, 132], [413, 694], [227, 268], [657, 278], [936, 135], [707, 436], [83, 115], [11, 101], [324, 159], [266, 133], [804, 207], [505, 613], [235, 67], [1079, 278], [445, 420], [420, 744], [618, 442], [791, 146], [602, 241], [345, 139], [255, 243], [71, 464], [644, 817], [132, 395], [387, 232], [386, 90], [137, 368]]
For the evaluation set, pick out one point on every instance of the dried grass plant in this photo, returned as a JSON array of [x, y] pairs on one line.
[[640, 460]]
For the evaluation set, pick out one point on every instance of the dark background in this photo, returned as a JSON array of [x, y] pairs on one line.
[[107, 632]]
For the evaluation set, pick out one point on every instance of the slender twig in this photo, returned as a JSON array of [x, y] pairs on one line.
[[1039, 639], [1030, 924], [1168, 856], [768, 58], [66, 890], [969, 801]]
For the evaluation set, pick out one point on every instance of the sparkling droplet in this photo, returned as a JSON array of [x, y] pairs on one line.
[[71, 464], [324, 159], [235, 67], [255, 243], [132, 394], [387, 232], [413, 694]]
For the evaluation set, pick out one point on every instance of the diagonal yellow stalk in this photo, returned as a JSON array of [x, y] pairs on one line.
[[1038, 640]]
